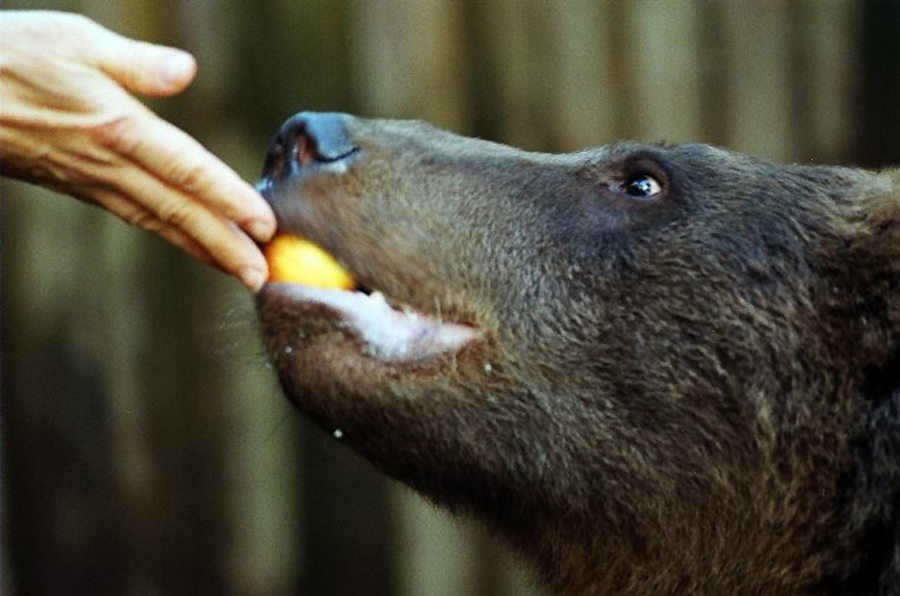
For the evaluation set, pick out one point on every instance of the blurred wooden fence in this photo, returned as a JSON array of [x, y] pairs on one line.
[[146, 447]]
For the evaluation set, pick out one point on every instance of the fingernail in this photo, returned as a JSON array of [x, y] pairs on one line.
[[253, 278], [177, 68], [261, 230]]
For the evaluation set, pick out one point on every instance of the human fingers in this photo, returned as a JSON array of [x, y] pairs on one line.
[[188, 224], [183, 164], [138, 66]]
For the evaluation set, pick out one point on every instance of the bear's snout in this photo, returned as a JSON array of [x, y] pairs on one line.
[[308, 139]]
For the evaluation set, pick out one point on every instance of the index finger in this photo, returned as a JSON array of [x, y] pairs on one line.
[[179, 161]]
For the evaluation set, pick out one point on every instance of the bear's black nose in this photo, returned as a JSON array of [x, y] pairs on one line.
[[308, 138]]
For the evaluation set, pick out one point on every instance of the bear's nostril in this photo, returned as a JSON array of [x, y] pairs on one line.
[[304, 151]]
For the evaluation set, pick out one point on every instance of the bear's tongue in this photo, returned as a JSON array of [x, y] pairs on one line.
[[304, 272]]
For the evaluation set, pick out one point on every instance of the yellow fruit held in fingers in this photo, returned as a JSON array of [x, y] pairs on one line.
[[295, 260]]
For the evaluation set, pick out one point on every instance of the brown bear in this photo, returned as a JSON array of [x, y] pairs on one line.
[[652, 369]]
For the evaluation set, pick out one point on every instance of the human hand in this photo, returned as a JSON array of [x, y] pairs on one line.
[[68, 122]]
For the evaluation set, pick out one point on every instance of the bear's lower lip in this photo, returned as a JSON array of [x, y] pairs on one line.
[[386, 333]]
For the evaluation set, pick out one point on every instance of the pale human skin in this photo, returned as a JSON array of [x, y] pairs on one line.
[[69, 122]]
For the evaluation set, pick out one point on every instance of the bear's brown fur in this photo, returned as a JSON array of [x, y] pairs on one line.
[[652, 369]]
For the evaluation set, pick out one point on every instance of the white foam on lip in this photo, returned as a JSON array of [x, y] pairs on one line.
[[388, 334]]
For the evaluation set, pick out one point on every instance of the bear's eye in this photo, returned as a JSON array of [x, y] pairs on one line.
[[642, 186]]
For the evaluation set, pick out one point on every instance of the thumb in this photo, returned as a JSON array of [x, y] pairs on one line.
[[147, 68]]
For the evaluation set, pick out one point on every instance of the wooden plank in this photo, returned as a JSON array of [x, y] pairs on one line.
[[662, 55], [585, 104], [408, 60], [435, 554], [518, 35], [832, 76], [758, 87]]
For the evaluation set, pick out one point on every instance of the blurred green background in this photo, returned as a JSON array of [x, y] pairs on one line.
[[146, 446]]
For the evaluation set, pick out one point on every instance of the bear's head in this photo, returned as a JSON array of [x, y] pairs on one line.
[[653, 369]]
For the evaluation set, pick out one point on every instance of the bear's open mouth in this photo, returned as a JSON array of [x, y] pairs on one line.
[[304, 273], [386, 333]]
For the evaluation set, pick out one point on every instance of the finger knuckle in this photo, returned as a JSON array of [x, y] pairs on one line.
[[190, 177], [119, 133], [141, 219], [179, 215]]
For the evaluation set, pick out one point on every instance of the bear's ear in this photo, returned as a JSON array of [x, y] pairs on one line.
[[875, 217], [871, 253]]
